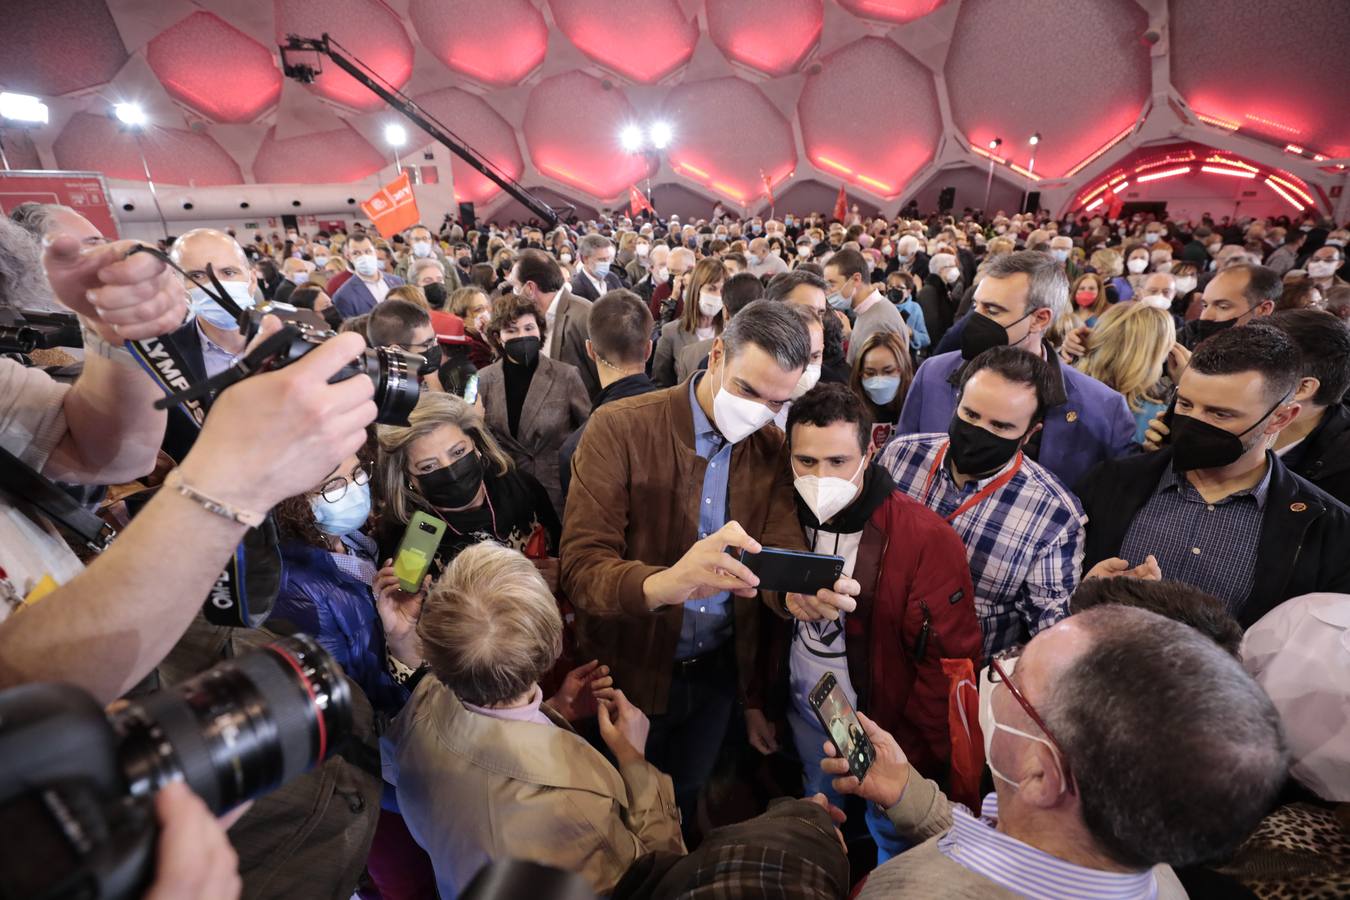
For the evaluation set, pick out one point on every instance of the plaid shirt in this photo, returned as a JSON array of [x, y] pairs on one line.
[[1024, 542], [1210, 546]]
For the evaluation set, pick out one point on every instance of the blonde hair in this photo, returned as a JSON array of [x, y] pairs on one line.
[[490, 628], [1107, 262], [1127, 348], [892, 342], [706, 271], [460, 299], [410, 293], [392, 478]]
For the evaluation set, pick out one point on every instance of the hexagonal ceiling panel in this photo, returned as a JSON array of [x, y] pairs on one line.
[[215, 69], [496, 43], [897, 11], [482, 128], [879, 137], [562, 148], [368, 29], [772, 36], [328, 156], [55, 47], [728, 136], [96, 144], [1094, 90], [643, 42], [1276, 79]]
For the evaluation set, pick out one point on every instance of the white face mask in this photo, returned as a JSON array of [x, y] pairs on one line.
[[951, 275], [366, 266], [642, 251], [1321, 268], [709, 304], [1186, 284], [1151, 237], [989, 726], [565, 258], [1161, 301], [827, 496], [300, 277], [320, 261], [1136, 266], [737, 417], [810, 375], [421, 249]]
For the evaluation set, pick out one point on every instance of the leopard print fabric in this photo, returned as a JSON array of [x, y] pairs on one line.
[[1298, 852]]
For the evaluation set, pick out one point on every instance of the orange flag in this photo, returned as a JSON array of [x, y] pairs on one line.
[[638, 201], [393, 208], [841, 205]]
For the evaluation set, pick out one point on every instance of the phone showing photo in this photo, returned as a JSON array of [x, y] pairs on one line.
[[416, 550], [841, 723]]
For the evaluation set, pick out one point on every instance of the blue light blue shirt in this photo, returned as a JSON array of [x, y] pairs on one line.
[[708, 620], [215, 358]]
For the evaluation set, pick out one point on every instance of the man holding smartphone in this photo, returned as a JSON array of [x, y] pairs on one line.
[[667, 488]]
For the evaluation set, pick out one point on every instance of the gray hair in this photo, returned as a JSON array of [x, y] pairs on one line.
[[591, 244], [1203, 730], [419, 264], [23, 282], [1048, 286], [36, 218], [774, 328]]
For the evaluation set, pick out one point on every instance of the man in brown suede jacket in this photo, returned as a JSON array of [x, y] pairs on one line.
[[667, 489]]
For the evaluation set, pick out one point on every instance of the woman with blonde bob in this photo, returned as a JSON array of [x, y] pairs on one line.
[[477, 731], [1126, 351]]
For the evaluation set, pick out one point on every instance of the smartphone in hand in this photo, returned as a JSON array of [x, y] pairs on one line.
[[794, 571], [841, 723], [416, 550]]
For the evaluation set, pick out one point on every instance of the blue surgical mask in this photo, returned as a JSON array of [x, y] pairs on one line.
[[601, 268], [202, 306], [882, 388], [838, 301], [346, 514], [1059, 255]]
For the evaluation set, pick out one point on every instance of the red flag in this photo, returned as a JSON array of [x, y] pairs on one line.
[[841, 205], [393, 208], [1115, 203], [638, 201], [768, 186]]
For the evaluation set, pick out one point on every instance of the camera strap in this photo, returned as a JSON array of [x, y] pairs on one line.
[[27, 485]]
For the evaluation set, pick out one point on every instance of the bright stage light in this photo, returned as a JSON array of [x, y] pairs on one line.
[[395, 135], [1035, 139], [130, 114], [661, 134], [630, 138], [22, 108], [995, 143]]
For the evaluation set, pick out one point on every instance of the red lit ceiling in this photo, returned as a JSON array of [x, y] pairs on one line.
[[367, 28], [94, 143], [54, 47], [479, 126], [771, 36], [215, 69], [319, 158], [896, 11], [495, 44], [643, 41], [1076, 72], [876, 137], [731, 137], [1275, 71]]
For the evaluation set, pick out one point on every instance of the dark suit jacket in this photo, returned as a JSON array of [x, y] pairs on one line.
[[1304, 534], [355, 299], [582, 287], [567, 341], [555, 406]]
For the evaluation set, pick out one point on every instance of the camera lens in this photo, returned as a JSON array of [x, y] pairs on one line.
[[397, 385], [241, 728]]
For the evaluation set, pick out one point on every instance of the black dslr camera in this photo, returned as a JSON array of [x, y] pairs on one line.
[[23, 331], [77, 786]]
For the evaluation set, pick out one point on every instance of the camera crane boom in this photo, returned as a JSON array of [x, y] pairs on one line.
[[304, 72]]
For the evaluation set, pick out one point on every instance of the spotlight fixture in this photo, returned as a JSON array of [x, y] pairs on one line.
[[395, 135], [630, 138], [995, 143], [130, 114], [1034, 139], [661, 133], [22, 108]]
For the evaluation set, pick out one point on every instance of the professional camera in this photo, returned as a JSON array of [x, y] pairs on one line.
[[77, 787], [23, 331]]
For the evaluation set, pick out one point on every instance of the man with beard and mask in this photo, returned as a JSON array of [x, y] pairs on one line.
[[537, 276], [667, 489], [1023, 530], [359, 294], [1234, 296], [1016, 302], [1063, 819], [916, 608], [1215, 506]]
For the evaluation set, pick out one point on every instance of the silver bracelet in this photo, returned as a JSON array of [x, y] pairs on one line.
[[95, 344], [174, 482]]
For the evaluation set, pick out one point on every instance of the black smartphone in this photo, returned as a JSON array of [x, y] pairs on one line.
[[1168, 415], [841, 723], [794, 571]]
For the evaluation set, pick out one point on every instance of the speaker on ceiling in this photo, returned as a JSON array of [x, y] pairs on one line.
[[1031, 202], [467, 220], [947, 199]]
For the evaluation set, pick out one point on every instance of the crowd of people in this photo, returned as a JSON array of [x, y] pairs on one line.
[[1087, 480]]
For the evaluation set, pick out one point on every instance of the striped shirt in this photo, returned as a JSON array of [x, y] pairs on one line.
[[1024, 542], [979, 846]]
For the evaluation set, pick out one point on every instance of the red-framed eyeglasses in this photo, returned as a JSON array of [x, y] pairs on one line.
[[997, 674]]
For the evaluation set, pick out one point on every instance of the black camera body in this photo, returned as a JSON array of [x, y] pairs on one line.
[[26, 330], [77, 785]]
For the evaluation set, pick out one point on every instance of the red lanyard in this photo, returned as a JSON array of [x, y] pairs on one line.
[[984, 493]]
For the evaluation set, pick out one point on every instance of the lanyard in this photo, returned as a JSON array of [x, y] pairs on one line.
[[984, 493]]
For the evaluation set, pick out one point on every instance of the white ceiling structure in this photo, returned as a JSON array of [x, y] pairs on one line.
[[884, 96]]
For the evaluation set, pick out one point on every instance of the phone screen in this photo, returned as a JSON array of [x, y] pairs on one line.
[[841, 723]]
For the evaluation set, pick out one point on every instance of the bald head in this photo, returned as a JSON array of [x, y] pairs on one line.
[[201, 246]]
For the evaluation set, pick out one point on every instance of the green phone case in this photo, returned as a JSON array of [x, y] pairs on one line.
[[416, 550]]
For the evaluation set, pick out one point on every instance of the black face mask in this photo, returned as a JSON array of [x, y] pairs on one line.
[[433, 361], [455, 485], [332, 317], [1196, 444], [983, 333], [435, 294], [523, 351], [1204, 328], [897, 296], [975, 451]]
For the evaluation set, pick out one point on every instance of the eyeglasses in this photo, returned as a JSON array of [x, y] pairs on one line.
[[335, 489], [421, 348], [998, 674]]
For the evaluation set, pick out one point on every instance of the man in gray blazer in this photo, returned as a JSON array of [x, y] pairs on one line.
[[537, 276]]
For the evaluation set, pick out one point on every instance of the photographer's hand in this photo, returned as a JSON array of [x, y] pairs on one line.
[[194, 859], [399, 612], [123, 298]]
